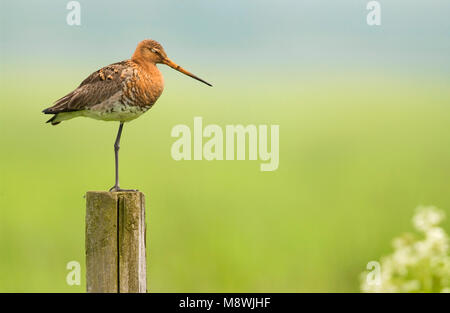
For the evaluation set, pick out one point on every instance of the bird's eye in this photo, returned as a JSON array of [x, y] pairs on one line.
[[153, 50]]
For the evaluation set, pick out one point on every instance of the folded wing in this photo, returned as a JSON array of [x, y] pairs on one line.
[[96, 88]]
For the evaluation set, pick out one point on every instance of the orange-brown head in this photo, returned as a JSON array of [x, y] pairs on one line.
[[150, 51]]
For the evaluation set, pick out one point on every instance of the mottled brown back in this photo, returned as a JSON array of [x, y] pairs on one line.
[[95, 89]]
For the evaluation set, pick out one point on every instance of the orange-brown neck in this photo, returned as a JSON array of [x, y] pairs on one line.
[[150, 83], [144, 63]]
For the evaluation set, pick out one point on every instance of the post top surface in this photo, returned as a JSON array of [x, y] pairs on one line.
[[104, 191]]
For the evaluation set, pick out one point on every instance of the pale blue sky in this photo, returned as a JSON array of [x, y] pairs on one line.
[[252, 33]]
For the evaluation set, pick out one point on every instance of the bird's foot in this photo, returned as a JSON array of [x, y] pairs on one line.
[[118, 189]]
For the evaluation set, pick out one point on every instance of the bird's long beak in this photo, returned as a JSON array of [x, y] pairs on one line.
[[175, 66]]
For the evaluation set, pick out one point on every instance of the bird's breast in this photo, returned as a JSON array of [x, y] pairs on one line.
[[143, 87]]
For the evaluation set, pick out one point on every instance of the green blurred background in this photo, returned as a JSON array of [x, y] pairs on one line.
[[364, 139]]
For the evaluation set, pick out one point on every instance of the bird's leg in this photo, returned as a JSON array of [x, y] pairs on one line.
[[116, 187]]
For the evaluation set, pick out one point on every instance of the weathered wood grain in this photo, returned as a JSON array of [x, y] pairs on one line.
[[132, 254], [115, 242]]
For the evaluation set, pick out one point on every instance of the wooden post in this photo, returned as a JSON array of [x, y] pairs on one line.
[[115, 242]]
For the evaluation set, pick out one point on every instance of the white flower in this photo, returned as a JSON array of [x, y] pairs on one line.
[[427, 217], [417, 264]]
